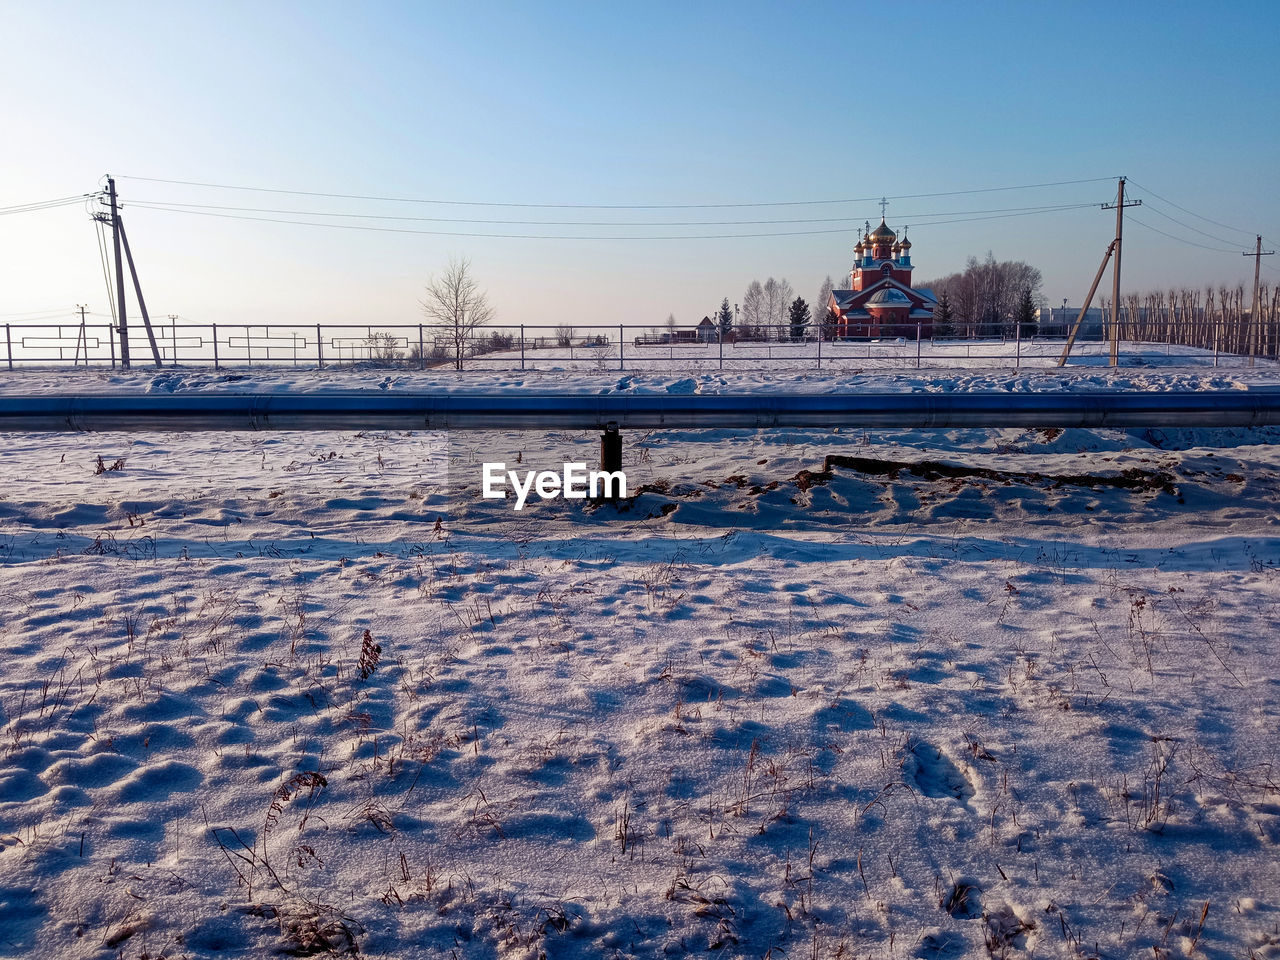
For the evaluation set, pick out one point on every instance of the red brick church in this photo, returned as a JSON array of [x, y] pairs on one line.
[[881, 301]]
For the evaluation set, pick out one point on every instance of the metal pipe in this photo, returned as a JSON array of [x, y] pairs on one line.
[[376, 409]]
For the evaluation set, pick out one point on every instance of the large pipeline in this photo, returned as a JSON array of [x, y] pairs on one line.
[[513, 410]]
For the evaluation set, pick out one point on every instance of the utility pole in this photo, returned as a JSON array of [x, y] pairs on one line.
[[1088, 300], [1119, 206], [82, 337], [115, 239], [173, 338], [1255, 317], [119, 239]]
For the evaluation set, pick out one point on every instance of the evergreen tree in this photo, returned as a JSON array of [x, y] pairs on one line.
[[830, 324], [798, 318], [724, 319], [1025, 315], [944, 318]]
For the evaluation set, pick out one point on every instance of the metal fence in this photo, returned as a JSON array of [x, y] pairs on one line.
[[598, 347]]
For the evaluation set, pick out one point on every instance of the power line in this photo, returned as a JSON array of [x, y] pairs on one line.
[[527, 236], [1187, 225], [43, 205], [1171, 203], [195, 207], [619, 206], [51, 312], [1180, 239], [106, 277]]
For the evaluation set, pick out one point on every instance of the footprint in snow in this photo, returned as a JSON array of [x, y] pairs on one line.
[[937, 776]]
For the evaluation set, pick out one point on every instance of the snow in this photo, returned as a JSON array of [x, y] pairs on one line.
[[960, 693]]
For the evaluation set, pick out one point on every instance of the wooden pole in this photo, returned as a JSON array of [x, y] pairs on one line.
[[142, 304], [1075, 330], [1255, 313], [115, 239], [1115, 279]]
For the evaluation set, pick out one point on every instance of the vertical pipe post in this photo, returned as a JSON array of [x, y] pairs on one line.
[[248, 346], [621, 364], [611, 453], [8, 341], [522, 346], [319, 347], [215, 346], [1017, 345], [918, 332], [422, 349]]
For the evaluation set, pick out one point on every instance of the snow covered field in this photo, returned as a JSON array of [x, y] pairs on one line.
[[953, 694], [853, 355]]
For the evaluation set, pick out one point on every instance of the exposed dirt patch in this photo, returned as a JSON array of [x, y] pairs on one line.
[[1133, 478]]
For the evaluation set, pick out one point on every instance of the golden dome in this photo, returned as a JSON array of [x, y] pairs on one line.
[[906, 244], [882, 234]]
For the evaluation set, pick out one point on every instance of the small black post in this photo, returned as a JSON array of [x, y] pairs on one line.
[[611, 453]]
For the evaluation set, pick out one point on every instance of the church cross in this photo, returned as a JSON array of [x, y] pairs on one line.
[[883, 203]]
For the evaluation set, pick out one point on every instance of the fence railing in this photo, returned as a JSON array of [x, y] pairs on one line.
[[613, 347]]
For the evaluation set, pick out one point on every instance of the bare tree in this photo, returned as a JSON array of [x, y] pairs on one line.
[[985, 296], [383, 348], [823, 300], [752, 312], [777, 299], [455, 304]]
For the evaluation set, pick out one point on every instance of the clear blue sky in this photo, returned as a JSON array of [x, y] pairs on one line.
[[607, 104]]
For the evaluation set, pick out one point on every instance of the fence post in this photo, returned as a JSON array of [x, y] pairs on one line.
[[248, 346], [422, 349], [215, 346], [8, 340], [819, 347], [620, 348], [918, 332], [111, 339], [319, 347], [1017, 346], [522, 346], [720, 337]]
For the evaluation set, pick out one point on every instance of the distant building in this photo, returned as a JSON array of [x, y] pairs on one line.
[[880, 301], [707, 330], [1058, 321]]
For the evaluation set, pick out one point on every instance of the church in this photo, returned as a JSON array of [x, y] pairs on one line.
[[881, 301]]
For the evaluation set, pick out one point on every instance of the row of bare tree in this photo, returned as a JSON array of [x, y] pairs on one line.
[[1213, 319], [984, 297], [764, 306]]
